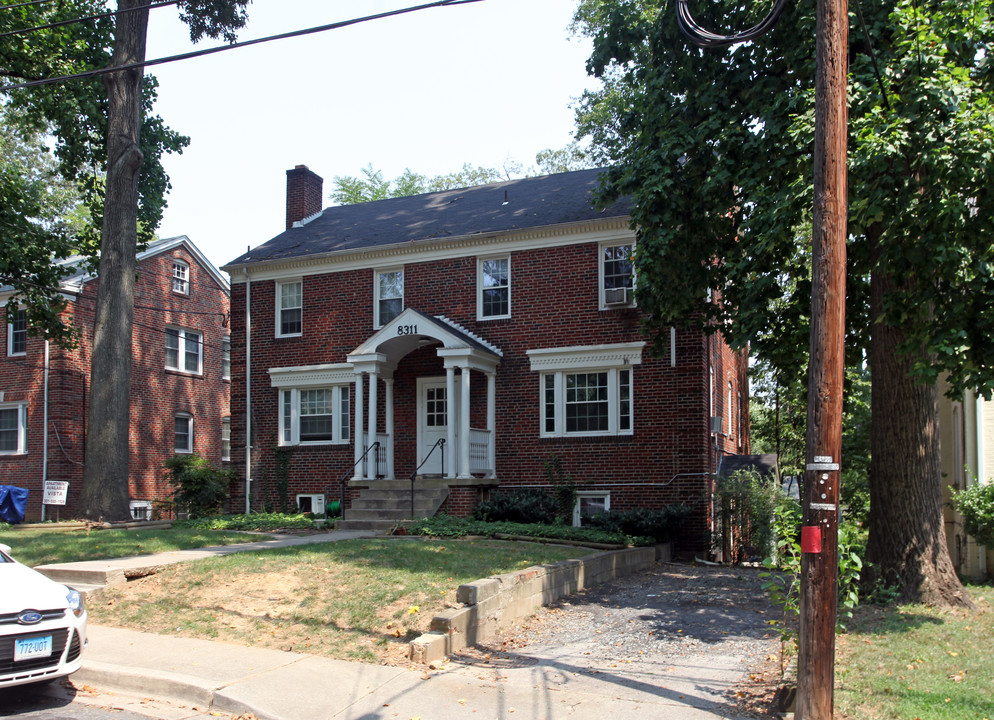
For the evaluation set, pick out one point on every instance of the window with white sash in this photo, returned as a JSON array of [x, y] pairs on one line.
[[13, 429], [315, 415]]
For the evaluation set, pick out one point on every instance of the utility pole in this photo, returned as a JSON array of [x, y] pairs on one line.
[[820, 524]]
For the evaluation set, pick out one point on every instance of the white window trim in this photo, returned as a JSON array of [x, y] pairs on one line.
[[601, 304], [189, 426], [182, 335], [606, 494], [22, 428], [340, 421], [559, 362], [10, 340], [280, 308], [480, 288], [376, 292], [226, 357], [226, 446], [185, 279], [317, 501]]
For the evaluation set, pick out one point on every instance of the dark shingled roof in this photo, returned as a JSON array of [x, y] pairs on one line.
[[530, 203]]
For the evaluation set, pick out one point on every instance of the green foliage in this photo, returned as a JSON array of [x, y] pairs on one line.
[[282, 456], [527, 505], [660, 525], [199, 486], [259, 522], [563, 488], [449, 526], [747, 500], [976, 505]]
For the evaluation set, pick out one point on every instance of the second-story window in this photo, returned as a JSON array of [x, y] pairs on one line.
[[389, 296], [226, 357], [184, 350], [289, 308], [494, 299], [617, 276], [17, 333], [181, 277]]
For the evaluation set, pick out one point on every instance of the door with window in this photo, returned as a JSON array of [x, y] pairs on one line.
[[433, 424]]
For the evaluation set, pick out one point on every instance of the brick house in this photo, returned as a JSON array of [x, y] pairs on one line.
[[179, 380], [468, 337]]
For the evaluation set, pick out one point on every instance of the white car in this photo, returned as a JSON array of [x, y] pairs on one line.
[[42, 625]]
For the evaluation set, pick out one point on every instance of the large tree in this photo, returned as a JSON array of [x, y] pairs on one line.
[[715, 146], [105, 475]]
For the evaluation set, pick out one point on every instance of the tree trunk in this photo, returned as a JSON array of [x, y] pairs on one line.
[[105, 475], [907, 542]]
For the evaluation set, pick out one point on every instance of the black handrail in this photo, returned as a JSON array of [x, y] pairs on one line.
[[440, 443], [348, 473]]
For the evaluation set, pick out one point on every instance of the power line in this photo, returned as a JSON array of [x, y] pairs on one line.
[[705, 38], [25, 4], [87, 18], [233, 46]]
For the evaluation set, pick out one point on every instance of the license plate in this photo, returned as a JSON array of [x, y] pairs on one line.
[[27, 648]]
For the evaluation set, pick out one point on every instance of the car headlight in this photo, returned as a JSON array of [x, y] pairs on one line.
[[75, 600]]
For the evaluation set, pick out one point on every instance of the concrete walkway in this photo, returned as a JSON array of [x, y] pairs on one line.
[[276, 685]]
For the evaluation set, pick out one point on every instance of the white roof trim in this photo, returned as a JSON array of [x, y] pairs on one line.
[[311, 375], [586, 356]]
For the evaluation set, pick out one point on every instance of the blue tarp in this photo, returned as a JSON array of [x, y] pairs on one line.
[[13, 500]]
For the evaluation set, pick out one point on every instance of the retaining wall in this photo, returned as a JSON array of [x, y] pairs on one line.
[[498, 601]]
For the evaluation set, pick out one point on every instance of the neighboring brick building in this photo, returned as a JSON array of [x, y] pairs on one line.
[[179, 380], [512, 299]]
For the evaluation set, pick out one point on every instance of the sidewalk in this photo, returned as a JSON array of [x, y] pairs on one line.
[[275, 685]]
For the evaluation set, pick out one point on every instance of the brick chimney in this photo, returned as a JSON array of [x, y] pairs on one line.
[[303, 194]]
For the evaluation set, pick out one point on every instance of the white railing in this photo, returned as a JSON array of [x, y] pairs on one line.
[[371, 466], [479, 451]]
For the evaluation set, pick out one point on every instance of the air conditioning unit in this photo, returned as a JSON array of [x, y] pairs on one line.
[[716, 424], [312, 503], [616, 296]]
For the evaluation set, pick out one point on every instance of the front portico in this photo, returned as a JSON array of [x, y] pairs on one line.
[[447, 444]]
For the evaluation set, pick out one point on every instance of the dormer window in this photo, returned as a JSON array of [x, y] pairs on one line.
[[181, 278]]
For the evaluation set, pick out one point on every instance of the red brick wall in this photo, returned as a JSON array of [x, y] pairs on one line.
[[554, 304], [156, 394]]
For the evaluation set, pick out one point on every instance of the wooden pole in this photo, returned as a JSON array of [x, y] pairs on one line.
[[819, 536]]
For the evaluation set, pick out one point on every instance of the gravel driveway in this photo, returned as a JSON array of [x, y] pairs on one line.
[[681, 636]]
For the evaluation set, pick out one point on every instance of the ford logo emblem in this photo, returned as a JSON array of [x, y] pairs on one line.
[[29, 617]]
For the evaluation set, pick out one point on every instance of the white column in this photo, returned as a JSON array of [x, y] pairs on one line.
[[371, 438], [357, 470], [450, 430], [492, 422], [464, 425], [388, 382]]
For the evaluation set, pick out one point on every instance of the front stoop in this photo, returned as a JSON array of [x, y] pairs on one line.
[[383, 504]]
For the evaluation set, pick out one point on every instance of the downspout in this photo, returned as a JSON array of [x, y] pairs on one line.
[[44, 436], [248, 393]]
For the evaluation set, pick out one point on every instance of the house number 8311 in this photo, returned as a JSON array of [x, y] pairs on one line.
[[407, 329]]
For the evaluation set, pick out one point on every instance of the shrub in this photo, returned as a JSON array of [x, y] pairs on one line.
[[660, 525], [261, 522], [976, 505], [518, 506], [200, 487]]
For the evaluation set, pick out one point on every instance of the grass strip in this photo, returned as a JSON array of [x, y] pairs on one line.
[[43, 547]]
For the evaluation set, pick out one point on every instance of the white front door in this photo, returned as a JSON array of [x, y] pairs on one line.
[[433, 424]]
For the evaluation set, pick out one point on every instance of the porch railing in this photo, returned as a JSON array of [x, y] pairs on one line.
[[479, 451], [440, 446], [375, 447]]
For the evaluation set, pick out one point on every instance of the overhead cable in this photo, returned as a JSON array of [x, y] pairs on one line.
[[232, 46], [705, 38], [87, 18]]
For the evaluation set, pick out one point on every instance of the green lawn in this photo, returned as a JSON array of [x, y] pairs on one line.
[[915, 663], [42, 547], [353, 600]]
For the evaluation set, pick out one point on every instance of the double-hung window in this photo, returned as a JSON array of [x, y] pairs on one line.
[[226, 357], [389, 296], [183, 433], [494, 288], [181, 277], [226, 438], [617, 276], [184, 350], [17, 333], [586, 391], [289, 308], [314, 415], [13, 429]]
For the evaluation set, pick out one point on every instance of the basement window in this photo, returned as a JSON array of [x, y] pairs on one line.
[[588, 504]]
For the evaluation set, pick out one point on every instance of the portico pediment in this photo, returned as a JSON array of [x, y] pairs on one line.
[[412, 329]]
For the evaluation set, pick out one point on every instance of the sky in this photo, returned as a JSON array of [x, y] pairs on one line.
[[481, 83]]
